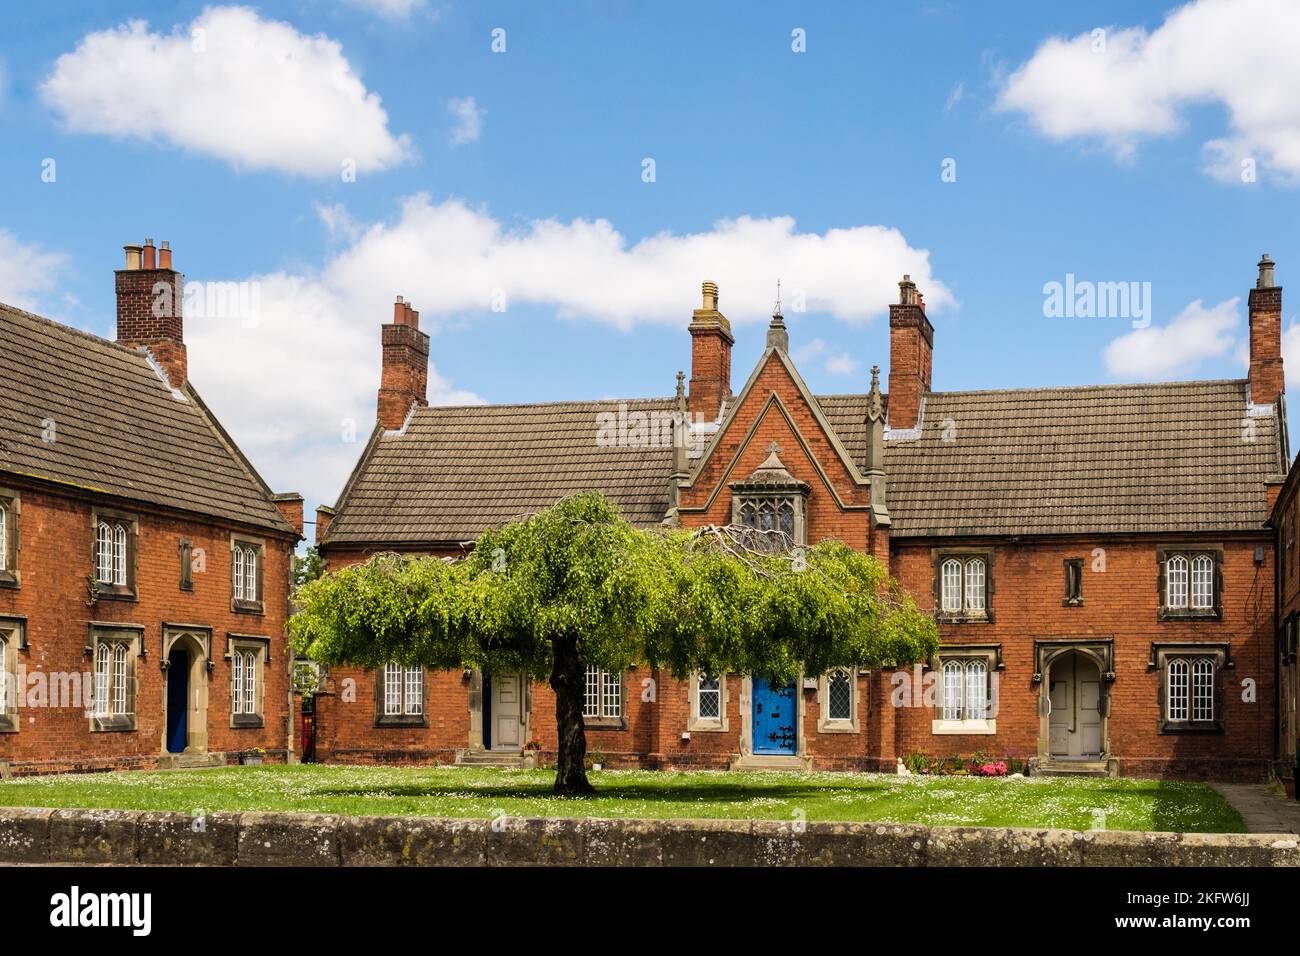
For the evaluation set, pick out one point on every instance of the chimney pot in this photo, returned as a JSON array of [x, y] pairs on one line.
[[150, 256], [165, 255], [132, 258], [710, 290], [1265, 280]]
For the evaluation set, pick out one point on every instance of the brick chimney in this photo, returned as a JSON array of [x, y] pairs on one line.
[[405, 376], [1266, 380], [911, 347], [149, 297], [711, 342]]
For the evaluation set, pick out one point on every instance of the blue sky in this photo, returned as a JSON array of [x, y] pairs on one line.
[[821, 168]]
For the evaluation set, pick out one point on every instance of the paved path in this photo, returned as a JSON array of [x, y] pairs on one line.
[[1263, 810]]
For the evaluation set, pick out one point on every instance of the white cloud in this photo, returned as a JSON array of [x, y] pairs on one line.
[[1163, 352], [287, 384], [469, 120], [957, 94], [456, 259], [391, 9], [817, 351], [27, 272], [1291, 355], [1129, 84], [252, 92]]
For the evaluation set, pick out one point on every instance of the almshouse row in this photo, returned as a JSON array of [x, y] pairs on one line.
[[1102, 561]]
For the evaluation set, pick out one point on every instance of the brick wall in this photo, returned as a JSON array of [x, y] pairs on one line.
[[1120, 602], [54, 563]]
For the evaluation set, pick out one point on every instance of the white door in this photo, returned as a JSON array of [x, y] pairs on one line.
[[507, 713], [1075, 722], [1062, 698]]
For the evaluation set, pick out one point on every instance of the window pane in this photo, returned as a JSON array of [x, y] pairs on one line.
[[119, 554], [1176, 581], [950, 579], [101, 679], [766, 516], [237, 684], [975, 584], [839, 690], [591, 693], [613, 695], [1176, 690], [392, 690], [786, 514], [119, 689], [4, 540], [250, 574], [710, 697], [1202, 581], [747, 516], [250, 682], [4, 676], [977, 683], [239, 573], [104, 553], [952, 681], [414, 690], [1203, 689]]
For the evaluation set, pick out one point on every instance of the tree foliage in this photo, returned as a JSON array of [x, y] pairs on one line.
[[575, 583]]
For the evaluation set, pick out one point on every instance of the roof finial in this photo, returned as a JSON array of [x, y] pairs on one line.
[[681, 384], [774, 449], [777, 337], [875, 404], [776, 311]]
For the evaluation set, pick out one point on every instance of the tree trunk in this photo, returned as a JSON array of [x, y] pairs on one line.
[[568, 680]]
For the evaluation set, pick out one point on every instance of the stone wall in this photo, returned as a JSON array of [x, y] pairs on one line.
[[137, 837]]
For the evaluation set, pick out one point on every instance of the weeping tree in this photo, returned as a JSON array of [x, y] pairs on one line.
[[575, 586]]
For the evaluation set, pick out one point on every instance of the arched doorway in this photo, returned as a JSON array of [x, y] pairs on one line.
[[178, 696], [185, 691], [1075, 715]]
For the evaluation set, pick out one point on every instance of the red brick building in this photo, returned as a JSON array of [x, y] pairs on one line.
[[1097, 558], [144, 564]]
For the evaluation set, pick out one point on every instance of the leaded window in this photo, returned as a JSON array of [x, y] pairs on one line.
[[839, 692], [4, 540], [113, 693], [709, 695], [244, 560]]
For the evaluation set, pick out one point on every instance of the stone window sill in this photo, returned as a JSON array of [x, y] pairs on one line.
[[944, 727]]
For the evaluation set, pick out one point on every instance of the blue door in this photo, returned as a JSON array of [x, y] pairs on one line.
[[178, 698], [774, 718]]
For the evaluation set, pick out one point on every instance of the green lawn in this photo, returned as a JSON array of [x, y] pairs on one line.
[[1077, 804]]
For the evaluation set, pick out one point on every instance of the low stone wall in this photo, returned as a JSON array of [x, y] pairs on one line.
[[303, 839]]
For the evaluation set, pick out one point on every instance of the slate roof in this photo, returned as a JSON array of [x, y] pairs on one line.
[[454, 471], [119, 430], [1169, 457], [1098, 459]]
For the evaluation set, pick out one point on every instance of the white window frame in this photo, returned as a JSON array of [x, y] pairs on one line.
[[4, 536], [402, 691], [964, 694], [245, 561], [115, 660], [111, 551], [963, 580], [1191, 581], [602, 695]]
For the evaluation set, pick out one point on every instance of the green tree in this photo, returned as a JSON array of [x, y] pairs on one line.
[[575, 585]]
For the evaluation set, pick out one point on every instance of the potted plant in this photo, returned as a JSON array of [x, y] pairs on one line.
[[597, 760], [252, 757]]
